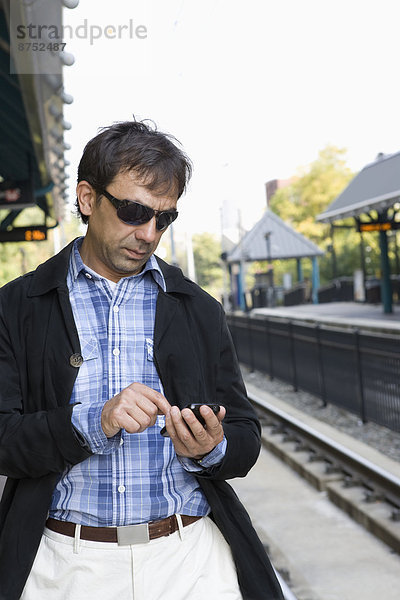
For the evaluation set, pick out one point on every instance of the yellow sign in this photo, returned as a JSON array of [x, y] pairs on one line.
[[376, 226], [34, 235]]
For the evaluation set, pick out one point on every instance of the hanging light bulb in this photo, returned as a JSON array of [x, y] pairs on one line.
[[70, 3]]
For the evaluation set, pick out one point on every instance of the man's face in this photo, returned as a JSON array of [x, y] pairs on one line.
[[112, 248]]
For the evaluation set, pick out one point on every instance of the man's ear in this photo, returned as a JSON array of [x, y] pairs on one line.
[[86, 197]]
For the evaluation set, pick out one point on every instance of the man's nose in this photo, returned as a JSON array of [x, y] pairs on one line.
[[147, 232]]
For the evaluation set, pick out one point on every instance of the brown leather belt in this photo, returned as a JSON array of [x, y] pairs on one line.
[[130, 534]]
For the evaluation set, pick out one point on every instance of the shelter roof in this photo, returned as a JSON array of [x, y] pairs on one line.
[[376, 187], [31, 109], [284, 242]]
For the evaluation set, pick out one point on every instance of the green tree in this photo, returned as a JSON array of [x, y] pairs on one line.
[[207, 252], [310, 193]]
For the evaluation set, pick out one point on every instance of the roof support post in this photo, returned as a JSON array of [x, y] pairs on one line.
[[396, 252], [362, 256], [315, 279], [241, 287], [386, 287], [333, 253], [300, 276]]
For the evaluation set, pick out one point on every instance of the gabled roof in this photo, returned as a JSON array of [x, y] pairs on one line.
[[284, 242], [376, 187]]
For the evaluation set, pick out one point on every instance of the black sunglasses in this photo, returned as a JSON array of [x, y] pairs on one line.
[[134, 213]]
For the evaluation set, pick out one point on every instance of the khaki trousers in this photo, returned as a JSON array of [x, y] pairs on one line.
[[192, 564]]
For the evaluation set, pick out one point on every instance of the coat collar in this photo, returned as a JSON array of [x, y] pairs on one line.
[[52, 274], [175, 281]]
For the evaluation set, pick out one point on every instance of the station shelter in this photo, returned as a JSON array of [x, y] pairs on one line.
[[271, 239], [32, 125], [372, 201]]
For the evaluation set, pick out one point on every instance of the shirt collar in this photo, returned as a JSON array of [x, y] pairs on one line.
[[77, 266]]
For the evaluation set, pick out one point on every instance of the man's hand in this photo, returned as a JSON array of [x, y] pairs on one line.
[[193, 440], [134, 409]]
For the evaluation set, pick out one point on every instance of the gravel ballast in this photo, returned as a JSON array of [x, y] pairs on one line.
[[381, 438]]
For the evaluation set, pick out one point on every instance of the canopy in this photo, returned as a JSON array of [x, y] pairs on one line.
[[272, 239], [31, 110], [376, 187]]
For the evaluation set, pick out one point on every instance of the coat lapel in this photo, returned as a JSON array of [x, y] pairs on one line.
[[167, 307], [70, 326], [168, 302]]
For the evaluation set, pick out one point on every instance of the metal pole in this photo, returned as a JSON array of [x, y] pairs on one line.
[[241, 277], [293, 356], [270, 291], [300, 276], [173, 254], [334, 264], [386, 287], [363, 267], [190, 257], [396, 253], [270, 355], [321, 365], [315, 280], [360, 386], [226, 283], [250, 340], [241, 287]]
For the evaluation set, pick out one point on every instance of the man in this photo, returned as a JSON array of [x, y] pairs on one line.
[[100, 347]]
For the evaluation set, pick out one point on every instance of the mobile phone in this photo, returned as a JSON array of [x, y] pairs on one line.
[[196, 410]]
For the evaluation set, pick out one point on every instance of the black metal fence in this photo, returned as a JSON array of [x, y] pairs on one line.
[[356, 370]]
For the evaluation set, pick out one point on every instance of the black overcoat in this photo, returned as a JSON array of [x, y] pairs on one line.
[[196, 363]]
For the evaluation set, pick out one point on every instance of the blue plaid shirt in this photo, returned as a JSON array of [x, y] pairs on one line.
[[131, 478]]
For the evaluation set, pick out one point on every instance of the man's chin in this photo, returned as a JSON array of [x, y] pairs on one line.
[[131, 266]]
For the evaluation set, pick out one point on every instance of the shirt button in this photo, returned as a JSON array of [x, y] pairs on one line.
[[116, 309], [116, 352], [88, 275], [76, 360], [121, 489]]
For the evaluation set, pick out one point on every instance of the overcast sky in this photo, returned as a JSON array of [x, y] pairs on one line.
[[253, 89]]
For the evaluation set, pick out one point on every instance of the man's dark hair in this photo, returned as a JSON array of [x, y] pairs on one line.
[[134, 146]]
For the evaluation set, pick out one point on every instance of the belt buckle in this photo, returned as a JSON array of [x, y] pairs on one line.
[[133, 534]]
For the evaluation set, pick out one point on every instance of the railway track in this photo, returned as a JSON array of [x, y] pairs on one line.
[[369, 494]]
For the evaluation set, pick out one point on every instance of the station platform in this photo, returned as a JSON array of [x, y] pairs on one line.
[[319, 550], [344, 314]]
